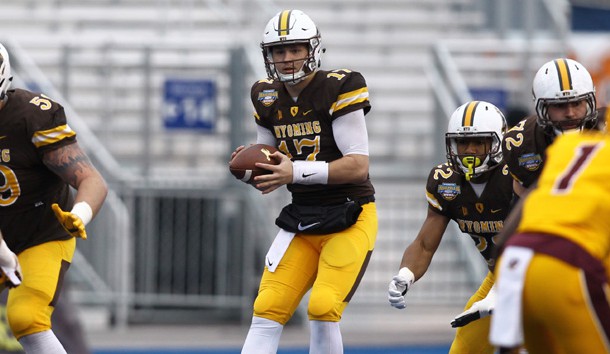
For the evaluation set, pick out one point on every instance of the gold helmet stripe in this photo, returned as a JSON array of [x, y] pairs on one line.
[[284, 21], [565, 79], [468, 118]]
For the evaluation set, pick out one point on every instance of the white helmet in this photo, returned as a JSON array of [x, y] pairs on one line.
[[562, 81], [289, 27], [475, 119], [5, 72]]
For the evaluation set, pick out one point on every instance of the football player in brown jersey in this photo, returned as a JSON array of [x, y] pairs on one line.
[[316, 120], [39, 216], [552, 288], [474, 189], [564, 96]]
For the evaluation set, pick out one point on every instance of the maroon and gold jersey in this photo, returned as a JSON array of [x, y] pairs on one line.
[[524, 146], [303, 129], [30, 125], [482, 218], [575, 182]]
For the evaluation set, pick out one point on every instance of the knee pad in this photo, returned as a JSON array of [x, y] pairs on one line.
[[269, 305], [262, 304], [25, 317], [324, 305]]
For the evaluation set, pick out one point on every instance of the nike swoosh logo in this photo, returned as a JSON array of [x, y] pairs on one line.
[[2, 137], [493, 211], [306, 113], [305, 227], [269, 262], [307, 175]]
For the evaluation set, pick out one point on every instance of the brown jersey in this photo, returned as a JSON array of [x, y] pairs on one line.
[[482, 218], [303, 129], [524, 146], [30, 125]]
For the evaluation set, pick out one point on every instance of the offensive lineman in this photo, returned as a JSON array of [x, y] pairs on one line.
[[39, 161]]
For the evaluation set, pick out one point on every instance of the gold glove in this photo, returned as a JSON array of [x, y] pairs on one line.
[[71, 223]]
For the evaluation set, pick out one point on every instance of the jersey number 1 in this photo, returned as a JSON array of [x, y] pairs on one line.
[[582, 156]]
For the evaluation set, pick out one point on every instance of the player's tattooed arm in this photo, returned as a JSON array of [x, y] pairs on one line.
[[74, 167], [70, 163]]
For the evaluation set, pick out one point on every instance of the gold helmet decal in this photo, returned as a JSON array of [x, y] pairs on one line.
[[565, 79], [468, 118], [283, 22]]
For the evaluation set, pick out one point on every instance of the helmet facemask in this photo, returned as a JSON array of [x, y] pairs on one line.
[[473, 165], [560, 127], [310, 63]]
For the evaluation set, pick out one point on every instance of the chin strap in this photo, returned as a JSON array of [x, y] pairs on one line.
[[470, 162]]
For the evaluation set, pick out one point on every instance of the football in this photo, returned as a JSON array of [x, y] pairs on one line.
[[242, 166]]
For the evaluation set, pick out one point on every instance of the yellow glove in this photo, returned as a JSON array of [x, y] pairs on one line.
[[72, 223]]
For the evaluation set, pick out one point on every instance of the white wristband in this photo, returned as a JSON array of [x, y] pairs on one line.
[[83, 211], [408, 275], [310, 172]]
